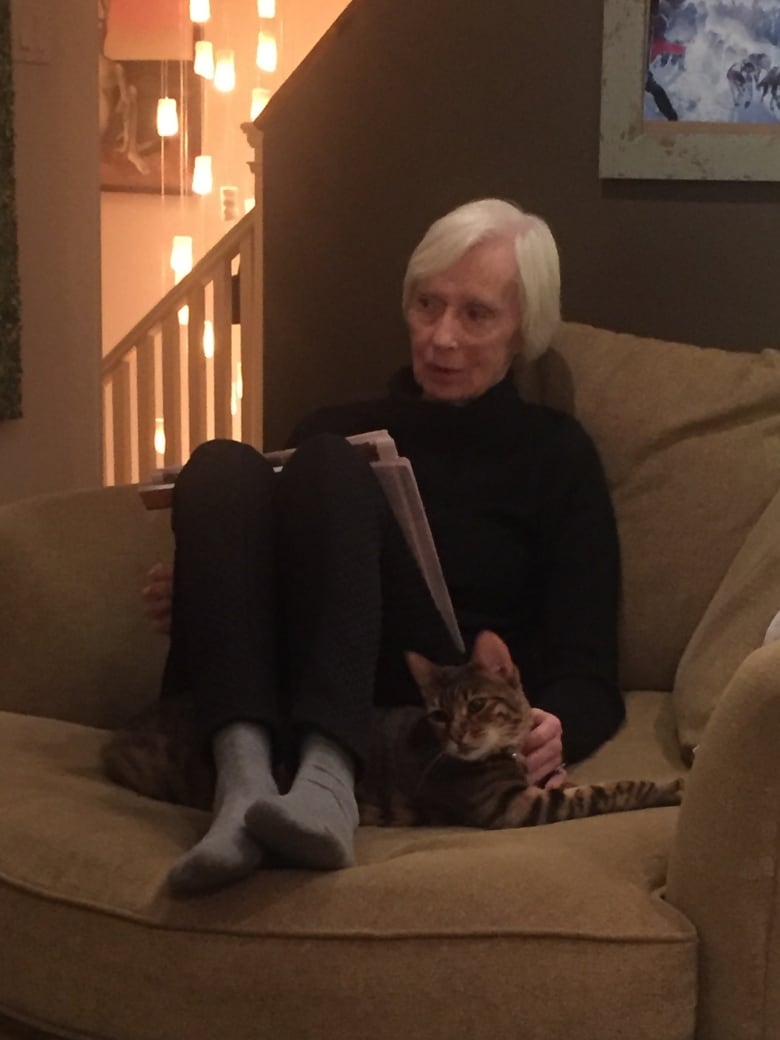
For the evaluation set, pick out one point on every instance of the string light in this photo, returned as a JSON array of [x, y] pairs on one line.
[[200, 11], [225, 72], [266, 8], [167, 117], [204, 59], [267, 52], [249, 205], [202, 177], [260, 98]]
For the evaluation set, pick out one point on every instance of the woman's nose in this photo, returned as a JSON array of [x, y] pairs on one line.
[[445, 331]]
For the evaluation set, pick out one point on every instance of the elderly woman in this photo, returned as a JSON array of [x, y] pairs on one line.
[[295, 595]]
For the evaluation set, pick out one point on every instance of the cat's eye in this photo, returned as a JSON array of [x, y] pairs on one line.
[[476, 705], [438, 717]]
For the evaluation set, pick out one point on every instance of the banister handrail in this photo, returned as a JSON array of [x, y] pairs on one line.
[[177, 296]]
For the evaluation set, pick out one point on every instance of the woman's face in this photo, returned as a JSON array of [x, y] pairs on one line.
[[464, 323]]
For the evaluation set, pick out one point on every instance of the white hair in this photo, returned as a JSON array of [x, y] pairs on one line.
[[538, 266]]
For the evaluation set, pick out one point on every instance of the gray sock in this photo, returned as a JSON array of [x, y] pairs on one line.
[[314, 824], [242, 756]]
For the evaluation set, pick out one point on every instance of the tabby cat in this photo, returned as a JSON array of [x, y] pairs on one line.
[[456, 760]]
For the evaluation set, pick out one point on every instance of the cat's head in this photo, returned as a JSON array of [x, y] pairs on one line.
[[477, 709]]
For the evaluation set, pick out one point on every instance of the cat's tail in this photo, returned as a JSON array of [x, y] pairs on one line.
[[533, 806]]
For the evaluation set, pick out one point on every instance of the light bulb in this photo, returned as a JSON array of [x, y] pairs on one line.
[[225, 72], [266, 8], [267, 52], [208, 339], [181, 255], [167, 117], [200, 11], [202, 177], [159, 436], [260, 98], [239, 384], [204, 59], [249, 205]]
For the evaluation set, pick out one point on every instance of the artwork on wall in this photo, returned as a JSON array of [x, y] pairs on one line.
[[146, 54], [10, 321], [691, 89]]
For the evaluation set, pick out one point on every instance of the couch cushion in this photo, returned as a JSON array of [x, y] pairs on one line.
[[690, 440], [733, 626], [434, 933], [71, 571]]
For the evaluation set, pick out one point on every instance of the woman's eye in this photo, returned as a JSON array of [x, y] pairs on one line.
[[476, 705]]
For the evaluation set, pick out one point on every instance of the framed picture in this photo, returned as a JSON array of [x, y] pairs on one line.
[[147, 49], [691, 90]]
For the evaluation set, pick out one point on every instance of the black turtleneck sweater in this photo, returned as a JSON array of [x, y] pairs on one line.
[[521, 516]]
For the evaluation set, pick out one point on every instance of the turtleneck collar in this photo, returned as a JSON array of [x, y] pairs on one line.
[[481, 420]]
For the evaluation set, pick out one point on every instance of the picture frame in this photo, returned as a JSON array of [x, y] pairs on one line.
[[686, 148], [147, 52]]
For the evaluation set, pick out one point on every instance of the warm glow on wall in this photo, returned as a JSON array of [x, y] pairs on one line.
[[267, 52], [202, 177], [260, 98], [204, 59], [167, 117], [266, 8], [200, 11], [225, 71], [208, 339]]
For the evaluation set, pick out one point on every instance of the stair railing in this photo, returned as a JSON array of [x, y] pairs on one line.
[[191, 369]]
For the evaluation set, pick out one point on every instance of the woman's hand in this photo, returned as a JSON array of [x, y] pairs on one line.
[[543, 750], [158, 596]]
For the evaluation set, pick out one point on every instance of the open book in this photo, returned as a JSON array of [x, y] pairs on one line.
[[396, 477]]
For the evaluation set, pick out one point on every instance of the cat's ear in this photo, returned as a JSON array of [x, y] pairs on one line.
[[491, 653], [423, 671]]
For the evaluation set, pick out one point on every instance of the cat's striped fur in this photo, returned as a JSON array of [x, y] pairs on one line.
[[459, 761], [456, 760]]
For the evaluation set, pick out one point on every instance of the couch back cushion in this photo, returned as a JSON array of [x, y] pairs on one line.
[[690, 441], [76, 644]]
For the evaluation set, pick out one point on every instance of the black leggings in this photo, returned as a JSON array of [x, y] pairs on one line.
[[295, 593]]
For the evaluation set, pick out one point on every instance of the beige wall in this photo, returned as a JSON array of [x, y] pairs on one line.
[[56, 445], [137, 229]]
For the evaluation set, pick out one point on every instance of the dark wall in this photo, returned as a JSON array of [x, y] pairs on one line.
[[410, 107]]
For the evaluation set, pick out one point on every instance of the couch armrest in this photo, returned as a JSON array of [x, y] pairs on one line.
[[76, 645], [724, 870]]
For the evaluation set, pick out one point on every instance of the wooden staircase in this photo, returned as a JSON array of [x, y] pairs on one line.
[[191, 369]]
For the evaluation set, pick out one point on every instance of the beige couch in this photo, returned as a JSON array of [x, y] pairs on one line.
[[655, 925]]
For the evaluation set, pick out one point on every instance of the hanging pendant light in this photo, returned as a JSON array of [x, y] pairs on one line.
[[225, 72], [204, 59], [159, 436], [181, 255], [266, 8], [200, 11], [167, 117], [260, 98], [267, 52], [208, 339], [202, 177]]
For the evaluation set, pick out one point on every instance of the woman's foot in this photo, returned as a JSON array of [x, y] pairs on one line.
[[227, 852], [314, 825]]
